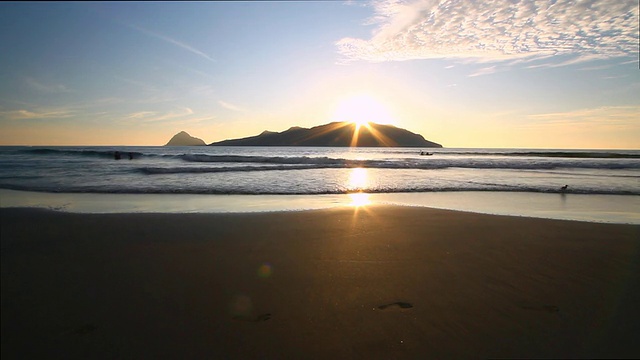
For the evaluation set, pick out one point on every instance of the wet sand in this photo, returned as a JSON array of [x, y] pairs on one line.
[[380, 282]]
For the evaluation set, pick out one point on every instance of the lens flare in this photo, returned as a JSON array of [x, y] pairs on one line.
[[265, 270]]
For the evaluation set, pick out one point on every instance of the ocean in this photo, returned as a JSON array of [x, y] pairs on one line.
[[385, 173]]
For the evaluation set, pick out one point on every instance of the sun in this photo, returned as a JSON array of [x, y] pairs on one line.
[[360, 122], [363, 109]]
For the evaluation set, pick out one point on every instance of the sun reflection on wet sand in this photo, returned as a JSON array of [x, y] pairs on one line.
[[359, 199]]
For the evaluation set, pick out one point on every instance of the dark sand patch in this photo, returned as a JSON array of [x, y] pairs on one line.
[[151, 286]]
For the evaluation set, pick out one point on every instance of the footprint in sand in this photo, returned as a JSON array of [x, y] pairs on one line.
[[259, 318], [398, 304]]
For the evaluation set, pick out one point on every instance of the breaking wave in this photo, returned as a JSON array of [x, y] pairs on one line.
[[305, 162]]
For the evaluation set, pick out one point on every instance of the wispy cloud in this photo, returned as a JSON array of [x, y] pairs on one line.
[[497, 30], [230, 106], [197, 72], [193, 120], [634, 61], [45, 87], [173, 41], [137, 83], [183, 115], [571, 61], [23, 114], [614, 77], [157, 116], [140, 115], [598, 67], [484, 71], [605, 117]]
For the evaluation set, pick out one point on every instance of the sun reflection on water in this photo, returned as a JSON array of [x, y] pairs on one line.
[[358, 181]]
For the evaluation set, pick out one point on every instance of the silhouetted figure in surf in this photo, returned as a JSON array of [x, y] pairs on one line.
[[116, 155], [130, 156]]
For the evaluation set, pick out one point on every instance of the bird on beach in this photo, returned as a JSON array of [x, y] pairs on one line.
[[564, 188]]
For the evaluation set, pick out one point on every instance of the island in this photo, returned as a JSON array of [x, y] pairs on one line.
[[184, 139], [337, 134]]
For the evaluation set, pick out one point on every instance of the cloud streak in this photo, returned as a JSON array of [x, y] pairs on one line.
[[23, 114], [484, 71], [46, 88], [230, 106], [605, 117], [493, 30], [183, 115], [154, 116], [177, 43]]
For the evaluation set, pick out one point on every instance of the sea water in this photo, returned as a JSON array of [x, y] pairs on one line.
[[323, 175]]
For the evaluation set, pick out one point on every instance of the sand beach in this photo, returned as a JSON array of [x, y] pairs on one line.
[[320, 180], [377, 282]]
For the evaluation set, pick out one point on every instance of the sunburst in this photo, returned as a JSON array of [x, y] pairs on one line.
[[362, 110]]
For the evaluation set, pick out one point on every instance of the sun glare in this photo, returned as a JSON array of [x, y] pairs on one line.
[[362, 110], [359, 123], [359, 199], [358, 181]]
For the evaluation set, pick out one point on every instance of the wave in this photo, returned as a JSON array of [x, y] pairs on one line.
[[437, 153], [204, 170], [586, 155], [568, 172], [304, 163], [262, 159], [542, 154], [328, 160], [470, 186], [79, 152]]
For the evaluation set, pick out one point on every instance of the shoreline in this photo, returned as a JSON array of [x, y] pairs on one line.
[[617, 209], [371, 282]]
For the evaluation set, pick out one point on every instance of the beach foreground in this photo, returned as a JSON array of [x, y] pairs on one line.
[[379, 282]]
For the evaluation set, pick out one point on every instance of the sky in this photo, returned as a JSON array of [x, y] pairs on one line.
[[493, 73]]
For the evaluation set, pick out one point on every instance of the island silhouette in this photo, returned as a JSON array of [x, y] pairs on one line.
[[184, 139], [336, 134]]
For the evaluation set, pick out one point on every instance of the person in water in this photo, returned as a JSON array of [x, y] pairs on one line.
[[116, 155], [130, 156]]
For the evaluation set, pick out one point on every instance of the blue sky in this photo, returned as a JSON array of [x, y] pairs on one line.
[[499, 73]]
